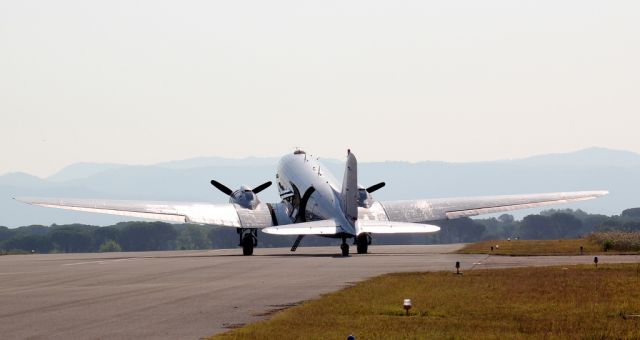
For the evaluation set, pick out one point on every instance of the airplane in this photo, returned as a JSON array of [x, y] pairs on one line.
[[313, 204]]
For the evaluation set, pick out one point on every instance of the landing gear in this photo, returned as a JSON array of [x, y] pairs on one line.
[[344, 247], [248, 240], [362, 243]]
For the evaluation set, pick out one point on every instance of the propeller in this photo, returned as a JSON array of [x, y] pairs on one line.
[[221, 187], [229, 192], [261, 187], [375, 187]]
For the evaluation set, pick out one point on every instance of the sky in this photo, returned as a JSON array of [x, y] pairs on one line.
[[140, 82]]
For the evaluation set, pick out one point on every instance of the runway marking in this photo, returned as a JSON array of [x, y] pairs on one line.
[[96, 262], [480, 262]]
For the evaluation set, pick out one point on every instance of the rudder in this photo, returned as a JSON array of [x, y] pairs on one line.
[[350, 188]]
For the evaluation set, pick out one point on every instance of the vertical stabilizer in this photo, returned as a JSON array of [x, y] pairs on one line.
[[350, 189]]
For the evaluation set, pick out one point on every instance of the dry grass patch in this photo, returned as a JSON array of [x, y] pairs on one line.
[[524, 303], [618, 240]]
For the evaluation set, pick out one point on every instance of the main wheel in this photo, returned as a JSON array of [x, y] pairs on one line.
[[247, 245], [345, 249], [362, 243]]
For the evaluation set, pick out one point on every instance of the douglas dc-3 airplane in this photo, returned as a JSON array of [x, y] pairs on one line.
[[313, 204]]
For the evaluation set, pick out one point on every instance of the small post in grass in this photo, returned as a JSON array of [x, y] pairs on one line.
[[491, 248], [407, 305], [458, 268], [581, 250], [595, 260]]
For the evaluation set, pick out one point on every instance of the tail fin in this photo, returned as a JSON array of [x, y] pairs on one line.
[[350, 188]]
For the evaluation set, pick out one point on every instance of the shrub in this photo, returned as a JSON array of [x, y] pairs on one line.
[[110, 246]]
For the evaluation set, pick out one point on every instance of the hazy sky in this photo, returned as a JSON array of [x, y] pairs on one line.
[[147, 81]]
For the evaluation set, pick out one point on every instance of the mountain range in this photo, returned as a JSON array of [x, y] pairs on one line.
[[188, 180]]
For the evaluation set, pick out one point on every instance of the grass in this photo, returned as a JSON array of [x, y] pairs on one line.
[[576, 302], [596, 243], [534, 247]]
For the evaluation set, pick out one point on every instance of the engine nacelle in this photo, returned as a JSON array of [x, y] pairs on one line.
[[244, 197], [364, 198]]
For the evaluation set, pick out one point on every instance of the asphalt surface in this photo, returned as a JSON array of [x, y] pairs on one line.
[[192, 294]]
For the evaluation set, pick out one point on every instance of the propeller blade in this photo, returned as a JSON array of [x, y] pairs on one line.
[[261, 187], [221, 187], [375, 187]]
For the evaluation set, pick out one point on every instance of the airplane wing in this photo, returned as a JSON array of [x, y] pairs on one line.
[[449, 208], [227, 214]]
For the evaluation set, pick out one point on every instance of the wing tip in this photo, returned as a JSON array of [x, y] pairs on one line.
[[600, 193]]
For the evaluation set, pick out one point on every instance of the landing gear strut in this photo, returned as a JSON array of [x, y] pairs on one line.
[[362, 243], [344, 247], [248, 240]]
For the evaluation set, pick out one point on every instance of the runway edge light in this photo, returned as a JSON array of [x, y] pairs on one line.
[[407, 305]]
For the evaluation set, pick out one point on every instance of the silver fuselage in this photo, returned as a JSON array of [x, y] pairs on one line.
[[301, 175]]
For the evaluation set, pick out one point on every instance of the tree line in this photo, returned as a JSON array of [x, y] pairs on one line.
[[153, 236]]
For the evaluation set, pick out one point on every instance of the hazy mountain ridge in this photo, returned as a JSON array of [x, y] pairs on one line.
[[188, 180]]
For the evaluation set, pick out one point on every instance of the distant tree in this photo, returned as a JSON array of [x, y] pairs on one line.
[[71, 240], [143, 236], [193, 237], [610, 224], [631, 226], [566, 225], [537, 227], [27, 243], [631, 213], [506, 219], [104, 234], [5, 233], [224, 238], [591, 223], [31, 230], [110, 246], [460, 230]]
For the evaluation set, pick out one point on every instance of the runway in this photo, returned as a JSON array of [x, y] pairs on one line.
[[192, 294]]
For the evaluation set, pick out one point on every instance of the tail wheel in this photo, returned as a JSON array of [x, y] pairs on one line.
[[362, 243]]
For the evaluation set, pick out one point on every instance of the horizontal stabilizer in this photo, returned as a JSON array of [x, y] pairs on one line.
[[387, 227], [324, 227]]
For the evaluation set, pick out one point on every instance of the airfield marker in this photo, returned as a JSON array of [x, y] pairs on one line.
[[457, 267], [407, 305]]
